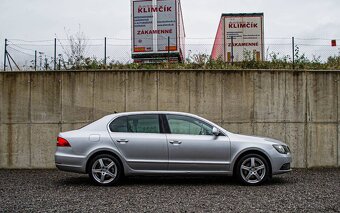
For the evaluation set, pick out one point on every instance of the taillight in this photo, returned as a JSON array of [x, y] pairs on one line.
[[62, 142]]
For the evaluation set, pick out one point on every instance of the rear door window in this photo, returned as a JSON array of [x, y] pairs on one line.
[[136, 124], [119, 125]]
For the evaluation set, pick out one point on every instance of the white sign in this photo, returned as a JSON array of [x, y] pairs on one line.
[[154, 23], [244, 37]]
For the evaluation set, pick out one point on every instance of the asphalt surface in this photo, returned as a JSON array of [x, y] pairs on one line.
[[56, 191]]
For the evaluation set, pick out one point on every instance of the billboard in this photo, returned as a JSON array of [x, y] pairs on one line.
[[239, 37], [157, 29]]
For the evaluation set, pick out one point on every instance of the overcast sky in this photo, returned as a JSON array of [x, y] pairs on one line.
[[43, 19]]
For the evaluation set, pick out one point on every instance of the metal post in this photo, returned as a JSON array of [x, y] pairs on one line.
[[293, 51], [105, 51], [232, 50], [5, 54], [35, 60], [55, 54], [224, 42], [169, 49]]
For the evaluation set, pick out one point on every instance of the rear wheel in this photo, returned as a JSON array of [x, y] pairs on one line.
[[105, 170], [252, 169]]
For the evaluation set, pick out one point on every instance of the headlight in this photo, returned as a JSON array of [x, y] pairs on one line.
[[281, 149]]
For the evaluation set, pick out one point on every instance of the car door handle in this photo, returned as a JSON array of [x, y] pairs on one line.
[[122, 141], [175, 142]]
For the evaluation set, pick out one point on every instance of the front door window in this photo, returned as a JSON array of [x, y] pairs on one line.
[[180, 124]]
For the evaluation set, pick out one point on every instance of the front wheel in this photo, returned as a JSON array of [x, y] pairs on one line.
[[105, 170], [252, 169]]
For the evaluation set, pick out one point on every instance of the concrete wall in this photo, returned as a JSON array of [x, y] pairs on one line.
[[298, 107]]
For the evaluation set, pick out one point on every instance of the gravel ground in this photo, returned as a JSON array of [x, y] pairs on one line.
[[56, 191]]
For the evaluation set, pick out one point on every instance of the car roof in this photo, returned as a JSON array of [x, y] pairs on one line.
[[151, 112], [102, 122]]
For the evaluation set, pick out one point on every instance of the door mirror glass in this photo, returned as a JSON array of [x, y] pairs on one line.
[[215, 131]]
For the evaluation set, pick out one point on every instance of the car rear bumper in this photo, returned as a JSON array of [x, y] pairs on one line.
[[70, 163], [70, 168]]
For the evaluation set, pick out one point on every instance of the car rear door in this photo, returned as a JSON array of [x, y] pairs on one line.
[[140, 141], [193, 147]]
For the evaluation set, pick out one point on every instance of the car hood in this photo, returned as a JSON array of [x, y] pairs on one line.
[[251, 138]]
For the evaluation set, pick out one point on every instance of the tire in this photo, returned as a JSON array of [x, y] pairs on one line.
[[252, 170], [105, 170]]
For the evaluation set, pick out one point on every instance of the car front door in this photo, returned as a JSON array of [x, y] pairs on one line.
[[193, 147], [139, 139]]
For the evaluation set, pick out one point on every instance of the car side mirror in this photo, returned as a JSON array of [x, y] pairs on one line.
[[215, 131]]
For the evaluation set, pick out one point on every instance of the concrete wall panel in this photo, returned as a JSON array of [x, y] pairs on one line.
[[239, 128], [238, 97], [141, 91], [1, 96], [77, 96], [15, 104], [3, 149], [295, 107], [271, 130], [206, 95], [173, 93], [109, 93], [338, 146], [322, 91], [70, 127], [296, 139], [338, 117], [338, 97], [43, 145], [270, 93], [45, 97], [14, 146], [322, 145]]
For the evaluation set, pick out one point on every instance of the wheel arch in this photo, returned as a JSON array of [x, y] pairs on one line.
[[100, 152], [251, 151]]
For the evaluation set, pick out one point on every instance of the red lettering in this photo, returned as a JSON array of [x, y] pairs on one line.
[[152, 9], [243, 25], [255, 44], [149, 32]]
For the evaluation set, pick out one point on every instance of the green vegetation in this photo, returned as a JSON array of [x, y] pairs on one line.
[[203, 61]]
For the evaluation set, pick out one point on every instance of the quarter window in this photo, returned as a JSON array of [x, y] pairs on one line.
[[136, 124], [180, 124]]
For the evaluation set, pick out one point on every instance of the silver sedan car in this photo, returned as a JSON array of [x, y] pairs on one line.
[[167, 143]]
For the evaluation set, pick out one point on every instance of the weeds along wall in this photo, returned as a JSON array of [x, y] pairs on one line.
[[298, 107]]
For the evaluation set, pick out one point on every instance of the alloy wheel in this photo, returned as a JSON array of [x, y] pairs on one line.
[[104, 170], [253, 170]]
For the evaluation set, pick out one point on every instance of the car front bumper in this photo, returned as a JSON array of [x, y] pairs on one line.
[[281, 164]]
